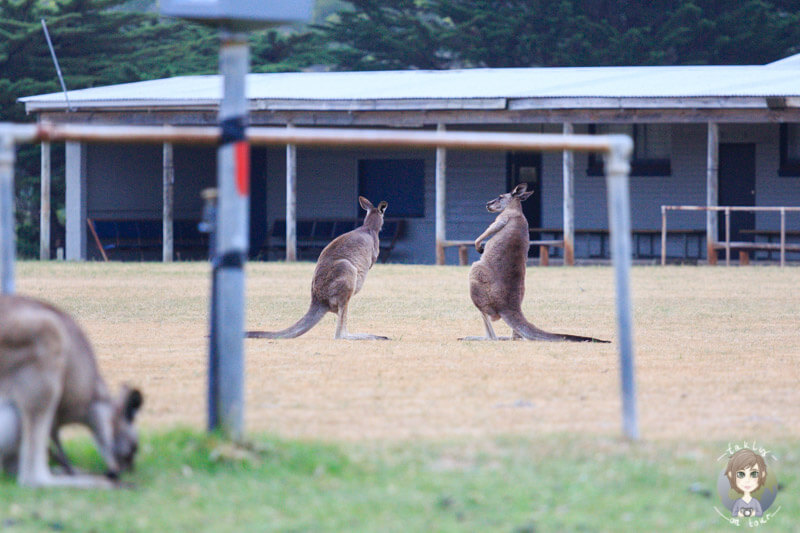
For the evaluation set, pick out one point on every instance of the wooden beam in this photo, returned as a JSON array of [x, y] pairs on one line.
[[168, 242], [441, 200], [44, 211], [419, 118], [569, 200]]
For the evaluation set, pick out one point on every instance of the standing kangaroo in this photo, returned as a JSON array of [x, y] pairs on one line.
[[49, 378], [497, 280], [340, 273]]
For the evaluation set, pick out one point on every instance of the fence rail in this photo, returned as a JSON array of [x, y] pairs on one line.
[[727, 245]]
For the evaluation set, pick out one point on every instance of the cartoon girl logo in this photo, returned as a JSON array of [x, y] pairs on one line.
[[746, 486], [746, 473]]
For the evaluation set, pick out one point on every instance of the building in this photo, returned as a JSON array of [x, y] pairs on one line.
[[704, 135]]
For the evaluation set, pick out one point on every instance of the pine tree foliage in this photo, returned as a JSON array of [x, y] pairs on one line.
[[434, 34], [103, 42]]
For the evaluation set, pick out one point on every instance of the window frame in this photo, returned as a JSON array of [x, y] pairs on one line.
[[789, 167], [415, 210], [640, 166]]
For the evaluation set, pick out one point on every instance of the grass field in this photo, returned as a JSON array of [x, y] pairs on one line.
[[425, 432]]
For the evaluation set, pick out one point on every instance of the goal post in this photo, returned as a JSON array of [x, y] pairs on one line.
[[615, 148]]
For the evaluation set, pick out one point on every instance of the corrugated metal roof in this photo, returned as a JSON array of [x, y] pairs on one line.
[[482, 88]]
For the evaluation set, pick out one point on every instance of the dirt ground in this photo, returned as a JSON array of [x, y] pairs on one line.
[[717, 351]]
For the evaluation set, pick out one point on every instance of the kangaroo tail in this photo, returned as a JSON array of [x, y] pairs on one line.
[[312, 317], [517, 321]]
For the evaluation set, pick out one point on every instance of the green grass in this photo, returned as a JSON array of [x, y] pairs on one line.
[[187, 481]]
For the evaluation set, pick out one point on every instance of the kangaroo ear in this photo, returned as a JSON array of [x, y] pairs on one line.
[[366, 205], [519, 189], [131, 402], [524, 196], [382, 207]]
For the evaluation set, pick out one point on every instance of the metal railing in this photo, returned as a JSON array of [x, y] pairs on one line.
[[727, 244]]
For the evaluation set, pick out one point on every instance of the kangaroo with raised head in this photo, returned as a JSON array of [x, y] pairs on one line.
[[49, 378], [497, 279], [340, 273]]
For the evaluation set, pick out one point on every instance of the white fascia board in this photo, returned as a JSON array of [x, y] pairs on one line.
[[754, 102], [379, 104]]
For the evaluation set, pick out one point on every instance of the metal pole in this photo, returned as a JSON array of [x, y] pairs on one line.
[[226, 399], [44, 202], [663, 235], [330, 137], [168, 235], [291, 201], [617, 169], [55, 62], [7, 241], [569, 200], [441, 199]]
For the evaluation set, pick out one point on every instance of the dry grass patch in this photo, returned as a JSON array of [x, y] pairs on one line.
[[716, 350]]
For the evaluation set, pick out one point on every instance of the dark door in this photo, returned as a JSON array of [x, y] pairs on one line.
[[737, 186], [258, 199], [526, 167]]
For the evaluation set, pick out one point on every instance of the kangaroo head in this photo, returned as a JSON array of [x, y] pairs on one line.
[[501, 202], [374, 214], [126, 439]]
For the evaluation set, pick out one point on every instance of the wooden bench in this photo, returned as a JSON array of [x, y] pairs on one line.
[[315, 233], [744, 248], [653, 236], [146, 235], [544, 249], [644, 240], [556, 234], [772, 237]]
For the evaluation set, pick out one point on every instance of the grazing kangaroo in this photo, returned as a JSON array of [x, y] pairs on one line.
[[340, 273], [49, 378], [497, 280]]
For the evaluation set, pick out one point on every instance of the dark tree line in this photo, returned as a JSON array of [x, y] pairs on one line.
[[437, 34], [103, 42]]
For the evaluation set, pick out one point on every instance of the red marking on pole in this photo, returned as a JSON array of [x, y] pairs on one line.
[[242, 160]]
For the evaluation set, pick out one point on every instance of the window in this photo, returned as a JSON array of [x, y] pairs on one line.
[[652, 148], [790, 150], [401, 182]]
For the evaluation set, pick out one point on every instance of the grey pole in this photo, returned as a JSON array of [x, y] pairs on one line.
[[226, 385], [44, 212], [619, 212], [7, 241], [167, 222]]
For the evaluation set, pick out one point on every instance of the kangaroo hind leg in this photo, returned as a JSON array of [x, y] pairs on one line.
[[347, 287], [341, 328], [490, 334]]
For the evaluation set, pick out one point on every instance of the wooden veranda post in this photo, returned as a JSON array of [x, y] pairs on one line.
[[441, 200], [44, 210], [168, 241], [291, 201], [569, 201], [712, 191]]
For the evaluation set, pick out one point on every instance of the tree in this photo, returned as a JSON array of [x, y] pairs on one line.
[[379, 34], [97, 43]]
